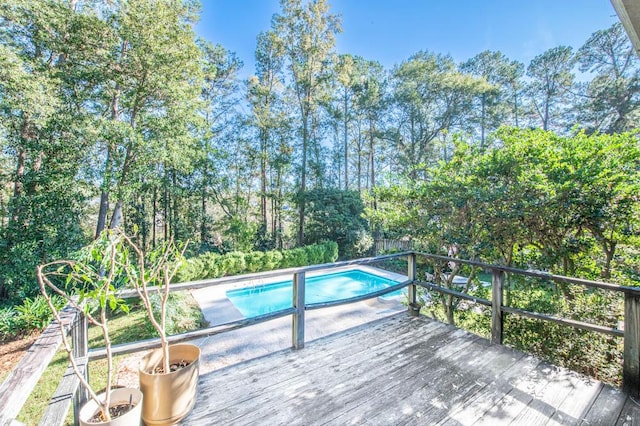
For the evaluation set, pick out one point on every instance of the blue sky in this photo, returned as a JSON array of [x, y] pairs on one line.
[[390, 31]]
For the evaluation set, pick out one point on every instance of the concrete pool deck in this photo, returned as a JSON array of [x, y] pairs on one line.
[[262, 339], [218, 309], [258, 340]]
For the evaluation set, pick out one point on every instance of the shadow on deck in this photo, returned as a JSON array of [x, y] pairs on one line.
[[405, 370]]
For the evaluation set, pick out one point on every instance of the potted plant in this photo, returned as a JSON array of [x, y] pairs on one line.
[[89, 285], [169, 375]]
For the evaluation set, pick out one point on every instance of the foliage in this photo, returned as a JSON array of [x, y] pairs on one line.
[[537, 200], [32, 314], [551, 82], [94, 279], [42, 143], [8, 319], [211, 265], [305, 32], [150, 275], [123, 328], [498, 99], [121, 101], [337, 216], [613, 97], [183, 314], [591, 353], [431, 98]]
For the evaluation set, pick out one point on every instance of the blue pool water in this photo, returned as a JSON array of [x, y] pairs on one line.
[[259, 300]]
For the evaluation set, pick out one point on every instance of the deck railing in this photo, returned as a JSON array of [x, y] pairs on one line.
[[20, 383]]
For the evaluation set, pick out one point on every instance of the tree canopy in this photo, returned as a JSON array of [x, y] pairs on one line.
[[116, 114]]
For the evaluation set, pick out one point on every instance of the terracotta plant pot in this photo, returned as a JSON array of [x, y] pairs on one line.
[[169, 397], [118, 396]]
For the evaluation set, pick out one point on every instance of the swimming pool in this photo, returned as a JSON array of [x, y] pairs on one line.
[[262, 299]]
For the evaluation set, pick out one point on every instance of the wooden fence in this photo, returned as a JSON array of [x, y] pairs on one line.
[[384, 245]]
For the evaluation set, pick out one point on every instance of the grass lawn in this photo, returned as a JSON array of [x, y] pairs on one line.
[[123, 328]]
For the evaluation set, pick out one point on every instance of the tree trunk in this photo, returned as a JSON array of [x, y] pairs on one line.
[[165, 206], [303, 180], [175, 216], [144, 225], [448, 307], [545, 121], [277, 209], [153, 219], [346, 144], [116, 217], [102, 213], [372, 174], [18, 185], [482, 121], [106, 182], [203, 215], [609, 249], [515, 106], [359, 164], [263, 177]]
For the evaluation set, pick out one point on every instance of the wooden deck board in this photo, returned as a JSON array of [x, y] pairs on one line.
[[468, 411], [404, 370], [630, 415], [606, 408], [418, 401], [296, 375]]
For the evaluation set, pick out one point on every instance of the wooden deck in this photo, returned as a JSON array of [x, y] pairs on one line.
[[405, 370]]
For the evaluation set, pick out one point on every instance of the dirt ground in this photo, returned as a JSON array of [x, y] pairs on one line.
[[12, 351]]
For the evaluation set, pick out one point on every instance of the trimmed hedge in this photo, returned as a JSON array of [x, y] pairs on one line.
[[213, 265]]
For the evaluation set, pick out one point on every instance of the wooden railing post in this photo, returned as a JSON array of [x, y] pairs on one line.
[[412, 295], [631, 362], [298, 316], [496, 306], [80, 339]]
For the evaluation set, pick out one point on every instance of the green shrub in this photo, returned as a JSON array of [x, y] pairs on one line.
[[272, 260], [32, 314], [254, 261], [210, 265], [35, 314], [8, 317], [287, 259], [315, 254], [233, 263], [213, 265], [188, 271], [299, 257], [181, 315], [331, 252]]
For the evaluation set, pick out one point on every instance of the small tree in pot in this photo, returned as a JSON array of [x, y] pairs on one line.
[[169, 376], [89, 284]]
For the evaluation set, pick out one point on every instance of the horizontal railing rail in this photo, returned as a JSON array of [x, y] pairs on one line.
[[355, 299], [536, 315], [23, 378], [143, 345], [535, 274], [630, 334], [259, 276], [69, 388]]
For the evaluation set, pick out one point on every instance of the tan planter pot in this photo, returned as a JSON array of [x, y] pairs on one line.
[[169, 397], [118, 396]]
